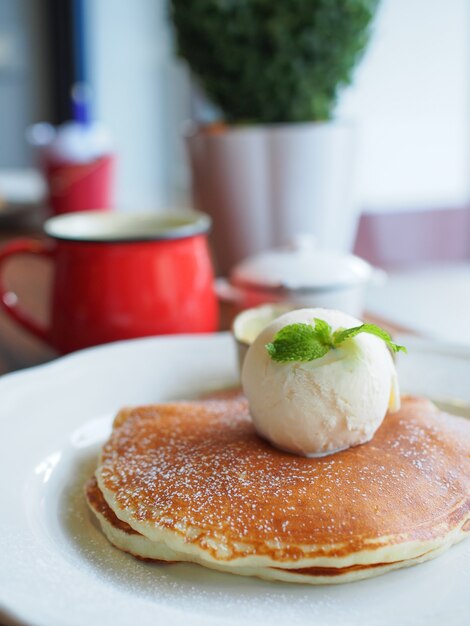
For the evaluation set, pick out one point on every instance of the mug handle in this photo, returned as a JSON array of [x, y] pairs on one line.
[[8, 299]]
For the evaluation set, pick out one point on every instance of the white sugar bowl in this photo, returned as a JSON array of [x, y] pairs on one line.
[[301, 275]]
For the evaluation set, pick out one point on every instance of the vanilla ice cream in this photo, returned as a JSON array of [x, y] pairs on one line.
[[325, 405]]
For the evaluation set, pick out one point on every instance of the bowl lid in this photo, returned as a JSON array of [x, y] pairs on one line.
[[301, 266]]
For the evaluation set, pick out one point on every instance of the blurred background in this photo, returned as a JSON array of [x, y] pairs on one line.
[[409, 102], [410, 98]]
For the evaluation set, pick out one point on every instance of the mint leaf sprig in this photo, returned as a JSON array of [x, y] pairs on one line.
[[304, 342]]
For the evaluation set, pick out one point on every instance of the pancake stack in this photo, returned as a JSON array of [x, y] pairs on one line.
[[192, 481]]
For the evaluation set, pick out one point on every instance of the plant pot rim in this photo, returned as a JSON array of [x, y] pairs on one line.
[[192, 128]]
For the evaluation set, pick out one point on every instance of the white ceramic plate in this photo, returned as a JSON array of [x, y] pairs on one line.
[[56, 568]]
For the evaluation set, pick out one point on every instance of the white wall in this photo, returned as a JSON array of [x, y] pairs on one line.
[[412, 101], [139, 94]]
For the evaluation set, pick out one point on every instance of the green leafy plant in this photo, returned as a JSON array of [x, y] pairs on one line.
[[267, 61], [305, 342]]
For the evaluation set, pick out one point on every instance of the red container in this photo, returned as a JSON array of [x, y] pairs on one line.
[[120, 276], [80, 186]]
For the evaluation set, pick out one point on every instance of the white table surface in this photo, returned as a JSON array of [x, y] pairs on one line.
[[433, 301]]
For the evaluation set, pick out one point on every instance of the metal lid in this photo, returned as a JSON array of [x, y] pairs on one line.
[[302, 266]]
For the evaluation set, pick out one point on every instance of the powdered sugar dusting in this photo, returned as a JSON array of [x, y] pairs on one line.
[[200, 470]]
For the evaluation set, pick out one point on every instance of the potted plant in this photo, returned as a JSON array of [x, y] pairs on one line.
[[278, 164]]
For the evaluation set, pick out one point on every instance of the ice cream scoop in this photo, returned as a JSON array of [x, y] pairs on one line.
[[324, 405]]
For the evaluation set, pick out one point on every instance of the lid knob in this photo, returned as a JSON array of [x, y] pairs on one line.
[[302, 242]]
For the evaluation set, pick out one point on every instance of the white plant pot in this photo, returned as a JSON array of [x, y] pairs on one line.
[[264, 185]]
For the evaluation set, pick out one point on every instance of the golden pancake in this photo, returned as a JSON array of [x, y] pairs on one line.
[[193, 482], [128, 540]]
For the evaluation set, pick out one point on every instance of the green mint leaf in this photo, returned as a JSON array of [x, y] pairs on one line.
[[340, 336], [324, 332], [301, 342], [306, 342]]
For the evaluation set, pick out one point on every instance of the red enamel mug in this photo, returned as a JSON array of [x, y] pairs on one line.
[[120, 276]]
